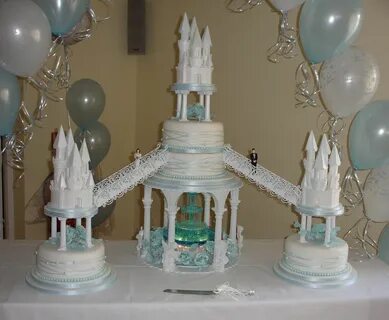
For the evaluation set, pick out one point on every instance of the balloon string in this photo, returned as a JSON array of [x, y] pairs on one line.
[[307, 85], [333, 127], [358, 238], [286, 44], [352, 191], [107, 16], [237, 6]]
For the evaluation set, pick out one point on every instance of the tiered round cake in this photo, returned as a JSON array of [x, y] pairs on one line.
[[195, 172], [195, 157]]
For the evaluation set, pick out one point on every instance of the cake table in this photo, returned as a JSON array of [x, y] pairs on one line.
[[137, 293]]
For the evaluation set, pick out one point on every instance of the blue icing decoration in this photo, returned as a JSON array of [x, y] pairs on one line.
[[196, 112]]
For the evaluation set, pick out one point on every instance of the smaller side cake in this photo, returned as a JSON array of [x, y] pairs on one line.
[[316, 257], [71, 261]]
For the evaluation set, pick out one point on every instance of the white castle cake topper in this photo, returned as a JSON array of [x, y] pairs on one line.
[[72, 185], [320, 186]]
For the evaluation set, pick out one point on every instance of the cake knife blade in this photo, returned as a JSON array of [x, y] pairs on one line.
[[196, 292]]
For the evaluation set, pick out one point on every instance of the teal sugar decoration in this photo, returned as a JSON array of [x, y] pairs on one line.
[[196, 112], [75, 238], [193, 255], [317, 232]]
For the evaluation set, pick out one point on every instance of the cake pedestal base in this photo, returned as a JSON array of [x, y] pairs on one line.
[[100, 282], [347, 277]]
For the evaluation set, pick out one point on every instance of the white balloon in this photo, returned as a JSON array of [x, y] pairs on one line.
[[348, 81], [286, 5], [376, 194]]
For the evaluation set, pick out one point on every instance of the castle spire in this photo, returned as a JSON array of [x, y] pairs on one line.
[[70, 142], [207, 43], [324, 145], [60, 144], [84, 153], [185, 28], [310, 148], [193, 28], [75, 158], [334, 161], [196, 41]]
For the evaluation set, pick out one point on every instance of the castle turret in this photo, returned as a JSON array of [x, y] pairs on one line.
[[70, 142], [74, 167], [183, 43], [196, 52], [207, 44], [59, 161], [85, 158], [333, 175]]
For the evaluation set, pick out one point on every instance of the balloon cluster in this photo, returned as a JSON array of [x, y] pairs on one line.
[[344, 79], [85, 102], [35, 36]]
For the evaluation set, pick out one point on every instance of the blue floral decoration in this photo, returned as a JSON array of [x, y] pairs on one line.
[[201, 259], [196, 112]]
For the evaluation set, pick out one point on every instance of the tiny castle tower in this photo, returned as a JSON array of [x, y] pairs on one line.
[[71, 187], [194, 69], [320, 188]]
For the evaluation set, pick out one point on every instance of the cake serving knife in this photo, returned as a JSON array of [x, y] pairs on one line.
[[195, 292]]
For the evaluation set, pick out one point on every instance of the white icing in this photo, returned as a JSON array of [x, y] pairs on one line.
[[193, 134], [314, 257], [182, 164], [70, 264]]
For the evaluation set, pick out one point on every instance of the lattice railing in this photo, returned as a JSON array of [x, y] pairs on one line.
[[127, 178], [263, 178]]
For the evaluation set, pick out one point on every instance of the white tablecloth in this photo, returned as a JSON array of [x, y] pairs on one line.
[[137, 293]]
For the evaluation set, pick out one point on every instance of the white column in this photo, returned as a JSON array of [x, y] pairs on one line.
[[62, 243], [303, 227], [234, 201], [172, 212], [201, 99], [207, 107], [207, 209], [179, 103], [333, 222], [171, 199], [78, 222], [327, 237], [147, 201], [309, 223], [53, 227], [184, 107], [165, 218], [88, 227]]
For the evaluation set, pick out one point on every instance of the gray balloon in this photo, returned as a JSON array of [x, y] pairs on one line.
[[25, 37], [85, 101], [98, 140]]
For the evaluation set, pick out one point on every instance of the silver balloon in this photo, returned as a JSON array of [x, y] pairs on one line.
[[376, 193], [25, 37], [349, 81]]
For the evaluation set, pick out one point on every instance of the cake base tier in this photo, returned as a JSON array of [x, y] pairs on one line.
[[347, 277], [101, 281]]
